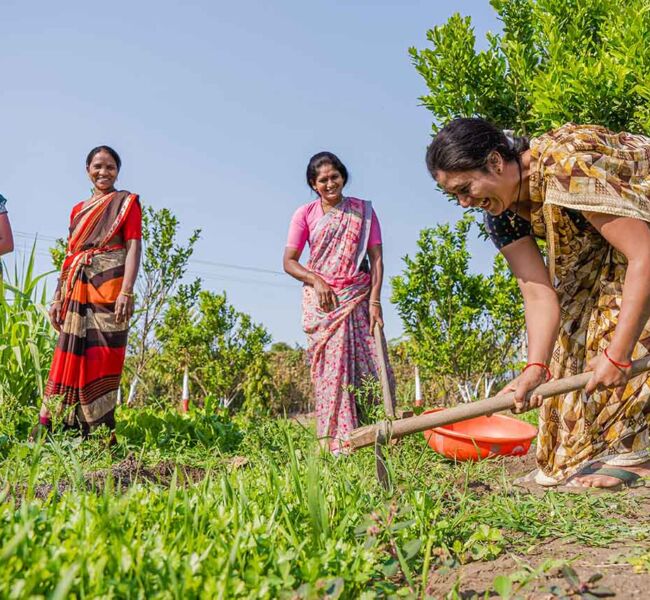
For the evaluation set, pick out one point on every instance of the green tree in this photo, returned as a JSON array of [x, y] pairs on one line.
[[222, 348], [586, 61], [57, 253], [463, 328], [164, 263]]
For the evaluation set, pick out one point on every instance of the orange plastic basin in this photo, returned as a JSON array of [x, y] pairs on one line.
[[481, 437]]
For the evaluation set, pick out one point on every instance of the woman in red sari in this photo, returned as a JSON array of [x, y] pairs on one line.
[[341, 295], [94, 301]]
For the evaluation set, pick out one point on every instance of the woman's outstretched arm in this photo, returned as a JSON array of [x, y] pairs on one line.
[[542, 312]]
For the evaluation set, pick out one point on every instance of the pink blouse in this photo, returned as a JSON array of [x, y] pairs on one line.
[[305, 218]]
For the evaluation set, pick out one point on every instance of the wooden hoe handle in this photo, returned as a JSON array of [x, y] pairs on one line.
[[389, 404], [365, 436]]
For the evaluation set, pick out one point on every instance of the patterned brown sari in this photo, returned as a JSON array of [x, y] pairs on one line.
[[589, 168]]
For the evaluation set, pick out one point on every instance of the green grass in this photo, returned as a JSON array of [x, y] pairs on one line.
[[26, 338], [291, 522]]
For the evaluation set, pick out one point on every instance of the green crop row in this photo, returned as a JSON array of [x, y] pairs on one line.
[[270, 517]]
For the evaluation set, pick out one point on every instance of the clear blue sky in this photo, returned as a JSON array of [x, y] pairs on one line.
[[215, 108]]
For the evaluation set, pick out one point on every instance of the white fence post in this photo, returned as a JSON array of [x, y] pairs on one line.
[[132, 389], [418, 389], [185, 399]]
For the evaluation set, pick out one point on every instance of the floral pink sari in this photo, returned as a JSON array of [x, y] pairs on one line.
[[341, 347]]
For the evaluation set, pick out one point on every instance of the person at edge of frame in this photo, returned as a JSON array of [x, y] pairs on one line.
[[586, 190], [6, 236]]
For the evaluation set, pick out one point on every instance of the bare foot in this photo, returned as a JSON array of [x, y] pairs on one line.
[[603, 480]]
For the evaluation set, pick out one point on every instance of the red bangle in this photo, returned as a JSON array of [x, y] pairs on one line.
[[545, 367], [617, 364]]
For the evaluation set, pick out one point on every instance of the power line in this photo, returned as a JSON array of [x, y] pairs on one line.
[[192, 261], [231, 266], [36, 236], [240, 280], [202, 274], [39, 237]]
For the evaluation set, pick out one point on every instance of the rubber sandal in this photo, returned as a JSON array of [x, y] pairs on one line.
[[628, 479]]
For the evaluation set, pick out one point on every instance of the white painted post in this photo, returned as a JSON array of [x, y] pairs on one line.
[[134, 385], [418, 389], [185, 399]]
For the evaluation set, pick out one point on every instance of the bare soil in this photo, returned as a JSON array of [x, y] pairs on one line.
[[123, 475], [130, 470], [475, 580]]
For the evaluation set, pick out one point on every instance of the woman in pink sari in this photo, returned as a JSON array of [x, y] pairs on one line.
[[341, 295]]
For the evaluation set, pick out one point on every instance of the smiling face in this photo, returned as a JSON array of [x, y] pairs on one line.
[[329, 184], [490, 189], [103, 171]]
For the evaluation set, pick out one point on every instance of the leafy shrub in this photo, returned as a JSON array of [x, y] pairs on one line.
[[206, 427], [586, 61], [291, 380], [27, 339], [462, 326]]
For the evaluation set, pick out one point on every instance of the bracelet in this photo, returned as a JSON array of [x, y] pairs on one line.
[[549, 376], [375, 302], [617, 364], [127, 294]]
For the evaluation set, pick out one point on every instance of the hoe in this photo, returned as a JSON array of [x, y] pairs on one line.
[[380, 434]]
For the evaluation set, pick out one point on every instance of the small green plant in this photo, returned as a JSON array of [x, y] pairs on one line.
[[510, 586], [640, 561], [368, 398], [486, 543], [585, 590]]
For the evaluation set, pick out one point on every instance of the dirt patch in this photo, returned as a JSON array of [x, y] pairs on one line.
[[127, 472], [475, 580], [517, 466], [536, 574], [478, 487], [123, 475], [237, 462]]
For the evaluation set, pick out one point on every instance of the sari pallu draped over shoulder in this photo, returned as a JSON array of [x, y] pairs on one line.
[[589, 169], [89, 355], [341, 347]]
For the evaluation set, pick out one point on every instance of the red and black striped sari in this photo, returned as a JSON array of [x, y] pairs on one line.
[[89, 355]]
